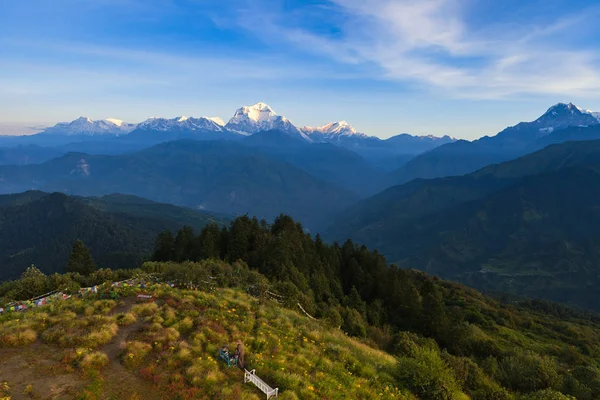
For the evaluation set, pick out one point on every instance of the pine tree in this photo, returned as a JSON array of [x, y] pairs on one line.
[[80, 259], [163, 248], [184, 242], [208, 243], [433, 316]]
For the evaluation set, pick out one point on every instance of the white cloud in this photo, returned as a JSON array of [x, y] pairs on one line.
[[429, 42]]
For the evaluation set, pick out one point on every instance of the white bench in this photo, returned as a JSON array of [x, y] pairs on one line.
[[250, 376]]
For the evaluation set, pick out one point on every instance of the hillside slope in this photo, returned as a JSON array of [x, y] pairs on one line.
[[506, 227], [325, 161], [537, 238], [40, 228], [401, 203]]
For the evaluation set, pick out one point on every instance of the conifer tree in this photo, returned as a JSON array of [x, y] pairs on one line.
[[80, 259], [209, 242], [184, 242], [163, 248]]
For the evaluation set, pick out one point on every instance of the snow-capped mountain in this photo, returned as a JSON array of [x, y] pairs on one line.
[[216, 120], [88, 127], [594, 114], [181, 124], [260, 117], [332, 132], [524, 135], [563, 115]]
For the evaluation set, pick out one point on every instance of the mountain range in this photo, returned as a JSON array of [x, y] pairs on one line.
[[40, 228], [246, 121], [85, 126], [462, 157]]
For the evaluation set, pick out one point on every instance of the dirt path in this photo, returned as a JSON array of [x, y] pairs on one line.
[[120, 382], [114, 347]]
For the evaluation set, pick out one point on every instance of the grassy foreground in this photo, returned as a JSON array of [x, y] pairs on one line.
[[167, 349]]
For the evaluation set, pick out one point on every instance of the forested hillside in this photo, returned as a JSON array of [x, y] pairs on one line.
[[527, 227], [221, 177], [40, 228]]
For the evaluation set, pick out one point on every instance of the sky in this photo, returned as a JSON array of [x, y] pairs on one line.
[[460, 67]]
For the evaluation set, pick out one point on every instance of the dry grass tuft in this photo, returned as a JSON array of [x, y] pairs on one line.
[[95, 360], [126, 319]]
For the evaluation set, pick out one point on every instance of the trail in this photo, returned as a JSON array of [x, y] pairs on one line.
[[113, 348], [120, 382]]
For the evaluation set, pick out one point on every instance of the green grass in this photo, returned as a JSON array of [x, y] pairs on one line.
[[176, 349], [301, 357]]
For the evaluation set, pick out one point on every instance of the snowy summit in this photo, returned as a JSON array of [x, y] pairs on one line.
[[332, 131], [88, 127], [180, 124], [261, 117], [564, 115]]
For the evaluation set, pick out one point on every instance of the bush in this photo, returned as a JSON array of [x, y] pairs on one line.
[[95, 360], [17, 337], [528, 372], [144, 310], [354, 324], [333, 317], [427, 375], [126, 319], [135, 352], [548, 394]]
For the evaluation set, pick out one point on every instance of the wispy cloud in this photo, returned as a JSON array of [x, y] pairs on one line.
[[432, 43]]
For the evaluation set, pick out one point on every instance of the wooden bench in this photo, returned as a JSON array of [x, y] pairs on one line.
[[250, 376], [144, 297]]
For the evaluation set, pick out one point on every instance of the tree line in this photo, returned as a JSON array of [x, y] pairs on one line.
[[354, 288]]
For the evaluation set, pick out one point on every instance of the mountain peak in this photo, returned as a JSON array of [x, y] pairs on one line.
[[333, 130], [180, 124], [559, 116], [82, 120], [563, 108], [216, 120], [88, 127], [115, 121], [261, 117], [562, 115], [261, 106], [258, 112]]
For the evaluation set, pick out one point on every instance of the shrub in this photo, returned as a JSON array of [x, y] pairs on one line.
[[135, 352], [145, 310], [126, 319], [428, 376], [528, 372], [548, 394], [17, 337], [95, 360], [333, 317], [354, 324]]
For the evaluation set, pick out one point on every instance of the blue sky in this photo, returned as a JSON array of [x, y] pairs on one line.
[[461, 67]]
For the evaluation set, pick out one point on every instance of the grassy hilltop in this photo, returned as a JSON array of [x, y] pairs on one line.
[[88, 348]]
